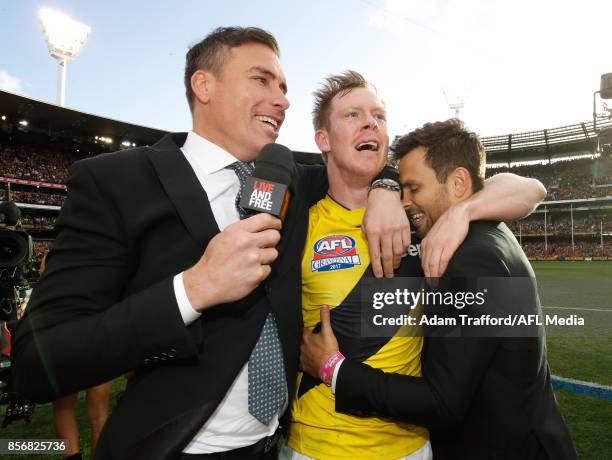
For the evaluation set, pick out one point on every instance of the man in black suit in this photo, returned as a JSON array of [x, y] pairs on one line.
[[153, 271], [482, 397]]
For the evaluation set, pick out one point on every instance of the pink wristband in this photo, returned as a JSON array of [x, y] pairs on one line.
[[326, 371]]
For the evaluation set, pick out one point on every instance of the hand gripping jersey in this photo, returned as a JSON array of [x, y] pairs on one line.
[[334, 263]]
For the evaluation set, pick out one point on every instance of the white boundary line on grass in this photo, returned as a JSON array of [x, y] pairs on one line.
[[579, 308], [580, 387], [583, 383]]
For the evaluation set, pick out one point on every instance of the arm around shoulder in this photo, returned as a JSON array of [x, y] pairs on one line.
[[313, 182], [452, 371], [506, 196]]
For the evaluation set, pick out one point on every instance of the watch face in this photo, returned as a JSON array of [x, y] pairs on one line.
[[390, 182]]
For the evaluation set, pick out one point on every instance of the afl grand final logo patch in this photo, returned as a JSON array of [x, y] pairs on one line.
[[334, 252]]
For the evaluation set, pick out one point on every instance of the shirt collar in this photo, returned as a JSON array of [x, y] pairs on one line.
[[208, 156]]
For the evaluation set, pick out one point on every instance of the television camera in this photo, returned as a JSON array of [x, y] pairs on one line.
[[15, 267]]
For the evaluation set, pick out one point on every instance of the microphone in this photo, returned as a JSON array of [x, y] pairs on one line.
[[9, 213], [267, 190]]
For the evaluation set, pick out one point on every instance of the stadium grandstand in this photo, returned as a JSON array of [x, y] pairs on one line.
[[39, 141], [575, 165]]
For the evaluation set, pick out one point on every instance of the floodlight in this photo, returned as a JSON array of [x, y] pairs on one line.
[[456, 105], [65, 37], [23, 122], [605, 92], [605, 87], [455, 102]]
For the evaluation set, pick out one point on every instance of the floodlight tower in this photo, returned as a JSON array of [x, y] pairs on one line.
[[65, 37], [605, 92], [455, 103]]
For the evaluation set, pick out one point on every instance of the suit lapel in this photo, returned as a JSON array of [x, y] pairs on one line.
[[183, 188], [191, 202]]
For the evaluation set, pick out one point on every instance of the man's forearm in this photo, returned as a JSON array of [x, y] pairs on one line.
[[386, 225], [505, 197], [404, 398]]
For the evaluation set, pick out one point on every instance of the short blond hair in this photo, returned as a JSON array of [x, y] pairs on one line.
[[332, 86]]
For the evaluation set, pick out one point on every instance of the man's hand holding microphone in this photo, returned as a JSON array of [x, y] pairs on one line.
[[239, 258]]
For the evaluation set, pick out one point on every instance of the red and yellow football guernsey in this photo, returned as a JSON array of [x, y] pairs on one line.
[[334, 262]]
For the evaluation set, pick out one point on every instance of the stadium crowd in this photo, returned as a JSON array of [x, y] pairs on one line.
[[54, 199], [565, 180], [35, 163], [564, 250], [560, 225], [37, 222], [583, 178]]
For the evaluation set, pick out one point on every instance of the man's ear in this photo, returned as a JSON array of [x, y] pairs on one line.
[[461, 182], [203, 85], [322, 140]]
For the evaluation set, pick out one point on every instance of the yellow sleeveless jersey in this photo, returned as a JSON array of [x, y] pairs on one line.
[[334, 262]]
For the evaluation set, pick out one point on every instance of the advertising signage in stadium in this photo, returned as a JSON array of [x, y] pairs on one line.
[[32, 182]]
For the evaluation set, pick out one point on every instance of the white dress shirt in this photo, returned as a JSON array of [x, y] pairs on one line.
[[231, 426]]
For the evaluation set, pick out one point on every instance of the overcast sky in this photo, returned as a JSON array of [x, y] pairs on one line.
[[518, 65]]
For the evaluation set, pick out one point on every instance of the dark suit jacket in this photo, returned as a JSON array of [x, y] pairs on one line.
[[482, 398], [106, 304]]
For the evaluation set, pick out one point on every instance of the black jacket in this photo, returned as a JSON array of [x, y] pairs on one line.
[[482, 398], [106, 304]]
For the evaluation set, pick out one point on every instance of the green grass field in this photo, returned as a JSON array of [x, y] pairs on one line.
[[42, 425], [579, 285], [562, 284], [582, 285]]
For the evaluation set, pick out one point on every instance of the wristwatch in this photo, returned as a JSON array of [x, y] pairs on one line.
[[387, 184]]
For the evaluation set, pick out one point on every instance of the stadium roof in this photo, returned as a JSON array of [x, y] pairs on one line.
[[548, 143], [50, 119]]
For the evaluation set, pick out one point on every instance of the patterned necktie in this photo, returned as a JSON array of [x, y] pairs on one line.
[[267, 384], [242, 170]]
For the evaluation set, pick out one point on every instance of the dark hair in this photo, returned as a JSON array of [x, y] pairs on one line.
[[449, 145], [210, 53], [334, 84]]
